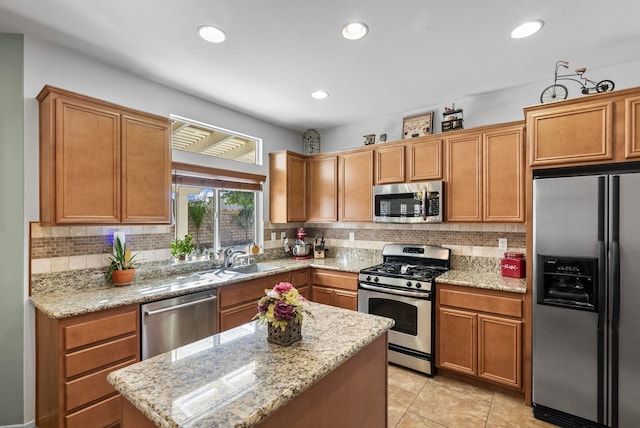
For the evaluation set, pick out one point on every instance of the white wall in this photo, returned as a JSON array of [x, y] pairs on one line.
[[479, 110], [47, 63]]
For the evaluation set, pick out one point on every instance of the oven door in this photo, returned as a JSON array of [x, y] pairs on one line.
[[410, 311]]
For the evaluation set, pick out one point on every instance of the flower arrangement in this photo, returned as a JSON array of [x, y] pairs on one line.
[[282, 305]]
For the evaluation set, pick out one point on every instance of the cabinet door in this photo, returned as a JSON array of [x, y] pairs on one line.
[[87, 163], [237, 315], [300, 278], [323, 188], [503, 175], [146, 170], [500, 350], [356, 186], [566, 134], [390, 165], [632, 128], [322, 295], [425, 160], [345, 299], [457, 340], [464, 178], [296, 189]]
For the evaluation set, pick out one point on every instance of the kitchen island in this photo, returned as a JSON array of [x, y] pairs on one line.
[[238, 379]]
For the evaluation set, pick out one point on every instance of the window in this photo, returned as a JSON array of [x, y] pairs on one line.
[[219, 209]]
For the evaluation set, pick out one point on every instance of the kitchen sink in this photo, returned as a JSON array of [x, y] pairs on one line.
[[223, 274]]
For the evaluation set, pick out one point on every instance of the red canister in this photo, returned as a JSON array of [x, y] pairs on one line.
[[513, 265]]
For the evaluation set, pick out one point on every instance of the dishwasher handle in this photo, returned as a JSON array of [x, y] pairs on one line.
[[184, 305]]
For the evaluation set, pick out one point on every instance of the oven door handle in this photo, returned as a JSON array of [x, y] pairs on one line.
[[423, 296]]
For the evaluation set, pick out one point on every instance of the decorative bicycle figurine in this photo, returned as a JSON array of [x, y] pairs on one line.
[[557, 92]]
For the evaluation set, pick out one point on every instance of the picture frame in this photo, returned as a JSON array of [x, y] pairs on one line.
[[417, 125]]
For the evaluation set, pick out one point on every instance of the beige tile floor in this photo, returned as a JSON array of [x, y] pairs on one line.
[[419, 401]]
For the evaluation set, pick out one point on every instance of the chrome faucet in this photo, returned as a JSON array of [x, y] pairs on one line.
[[230, 256]]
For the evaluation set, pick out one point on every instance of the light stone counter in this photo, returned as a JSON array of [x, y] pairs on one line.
[[236, 378], [490, 281], [70, 302]]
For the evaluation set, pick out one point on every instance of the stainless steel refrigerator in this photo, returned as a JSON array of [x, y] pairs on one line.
[[586, 297]]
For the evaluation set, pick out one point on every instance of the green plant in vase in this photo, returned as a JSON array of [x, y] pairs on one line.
[[181, 248], [122, 266]]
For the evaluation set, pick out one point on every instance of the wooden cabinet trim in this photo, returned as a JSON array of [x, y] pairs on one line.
[[632, 128]]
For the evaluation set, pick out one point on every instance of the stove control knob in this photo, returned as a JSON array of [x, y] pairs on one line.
[[376, 279], [418, 285], [409, 284], [368, 278]]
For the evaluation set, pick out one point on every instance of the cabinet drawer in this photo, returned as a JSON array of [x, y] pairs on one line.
[[251, 290], [300, 278], [90, 388], [501, 305], [86, 333], [102, 414], [335, 279], [99, 356]]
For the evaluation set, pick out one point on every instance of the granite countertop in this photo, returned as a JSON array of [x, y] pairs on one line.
[[236, 378], [67, 303], [489, 281]]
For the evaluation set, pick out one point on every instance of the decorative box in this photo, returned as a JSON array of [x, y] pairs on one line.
[[513, 265]]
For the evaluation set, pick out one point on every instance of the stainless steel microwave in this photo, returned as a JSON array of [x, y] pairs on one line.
[[408, 202]]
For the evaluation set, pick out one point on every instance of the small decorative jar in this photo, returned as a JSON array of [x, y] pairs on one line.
[[513, 265]]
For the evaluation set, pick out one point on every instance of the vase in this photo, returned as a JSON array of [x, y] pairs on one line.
[[291, 334], [122, 277]]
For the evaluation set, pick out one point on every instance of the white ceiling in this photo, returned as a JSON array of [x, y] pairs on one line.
[[418, 52]]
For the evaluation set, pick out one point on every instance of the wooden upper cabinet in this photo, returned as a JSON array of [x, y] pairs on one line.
[[287, 187], [424, 159], [390, 164], [632, 128], [146, 194], [485, 175], [355, 186], [322, 188], [565, 134], [84, 145], [464, 178], [503, 175]]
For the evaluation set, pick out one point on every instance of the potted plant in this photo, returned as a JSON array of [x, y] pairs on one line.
[[181, 248], [122, 266], [197, 210]]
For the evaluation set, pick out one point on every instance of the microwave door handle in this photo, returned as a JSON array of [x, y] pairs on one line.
[[424, 204]]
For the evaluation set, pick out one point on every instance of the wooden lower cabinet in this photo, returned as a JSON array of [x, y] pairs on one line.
[[73, 358], [238, 303], [334, 288], [479, 334]]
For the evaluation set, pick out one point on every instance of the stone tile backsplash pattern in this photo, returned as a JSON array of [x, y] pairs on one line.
[[76, 256]]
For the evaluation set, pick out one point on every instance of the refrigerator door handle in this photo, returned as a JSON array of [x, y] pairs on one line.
[[614, 266]]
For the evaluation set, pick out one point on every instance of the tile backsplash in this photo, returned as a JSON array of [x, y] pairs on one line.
[[74, 255]]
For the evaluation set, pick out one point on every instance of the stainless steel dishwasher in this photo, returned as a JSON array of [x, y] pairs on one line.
[[170, 323]]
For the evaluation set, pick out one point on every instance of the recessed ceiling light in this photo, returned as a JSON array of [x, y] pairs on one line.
[[319, 95], [354, 30], [527, 29], [212, 34]]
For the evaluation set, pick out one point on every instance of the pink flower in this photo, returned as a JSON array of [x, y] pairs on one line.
[[283, 287], [283, 311]]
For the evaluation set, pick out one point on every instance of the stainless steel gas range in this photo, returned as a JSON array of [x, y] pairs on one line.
[[402, 288]]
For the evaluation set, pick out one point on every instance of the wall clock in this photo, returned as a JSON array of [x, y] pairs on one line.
[[311, 141]]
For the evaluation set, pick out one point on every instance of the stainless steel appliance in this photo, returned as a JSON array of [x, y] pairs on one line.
[[171, 323], [586, 290], [408, 202], [402, 288]]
